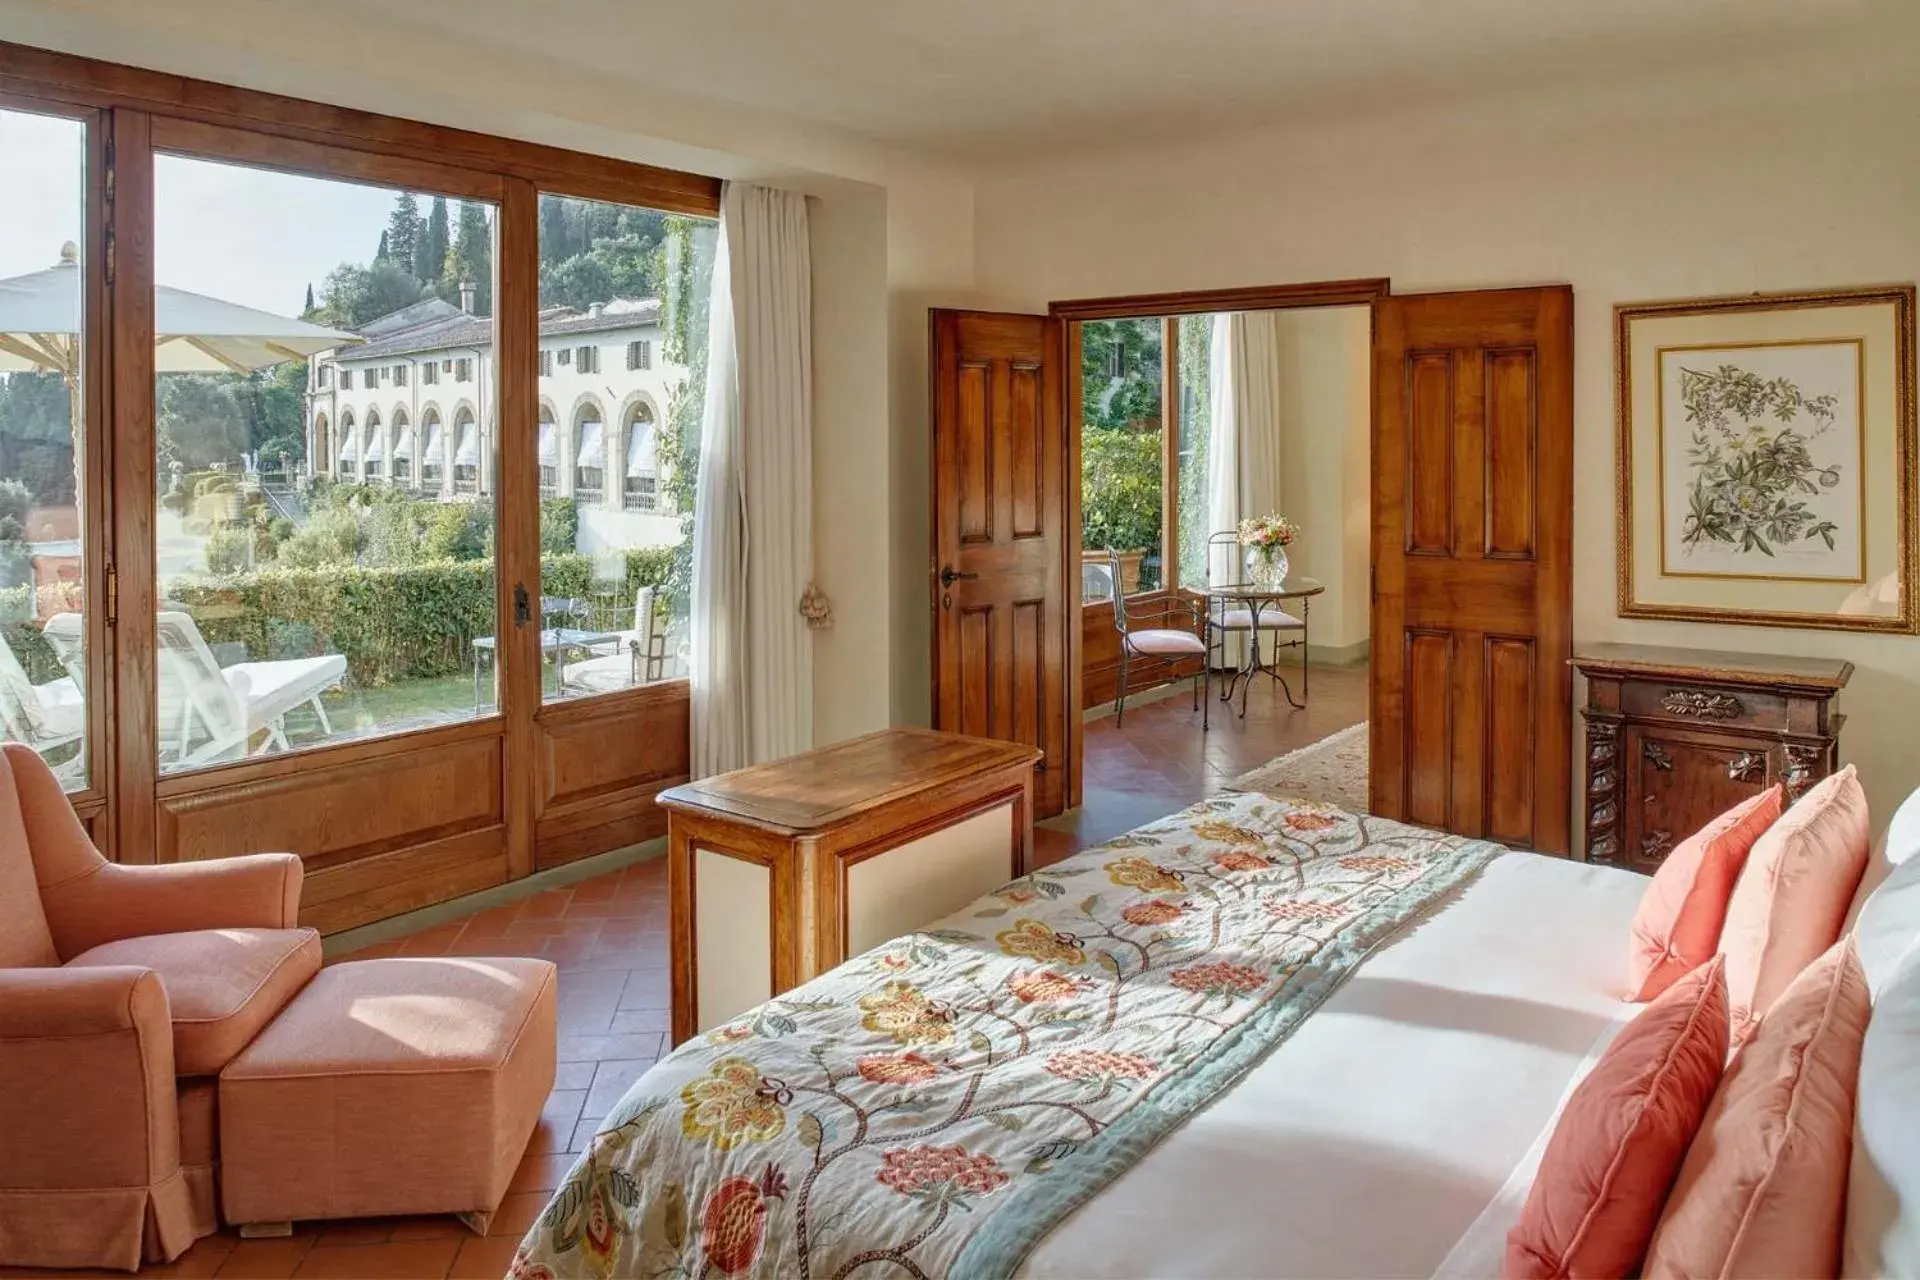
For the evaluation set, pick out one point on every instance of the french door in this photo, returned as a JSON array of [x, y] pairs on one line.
[[317, 578]]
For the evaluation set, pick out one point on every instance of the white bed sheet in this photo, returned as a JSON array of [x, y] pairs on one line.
[[1373, 1141]]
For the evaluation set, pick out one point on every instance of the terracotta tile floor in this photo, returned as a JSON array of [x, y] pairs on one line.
[[609, 938]]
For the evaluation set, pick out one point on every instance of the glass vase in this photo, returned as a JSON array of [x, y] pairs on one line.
[[1266, 566]]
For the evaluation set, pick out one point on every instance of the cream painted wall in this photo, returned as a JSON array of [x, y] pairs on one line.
[[1692, 191], [1325, 420]]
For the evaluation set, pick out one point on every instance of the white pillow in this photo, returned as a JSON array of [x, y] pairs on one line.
[[1883, 1186], [1887, 929], [1899, 844]]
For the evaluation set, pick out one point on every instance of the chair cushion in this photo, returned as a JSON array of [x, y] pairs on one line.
[[1677, 927], [1764, 1188], [223, 985], [1791, 900], [1155, 641], [1622, 1136], [1270, 620]]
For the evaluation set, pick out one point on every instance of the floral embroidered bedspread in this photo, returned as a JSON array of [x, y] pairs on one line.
[[935, 1106]]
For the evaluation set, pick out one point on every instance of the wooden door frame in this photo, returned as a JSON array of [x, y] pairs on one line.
[[1365, 291], [551, 807]]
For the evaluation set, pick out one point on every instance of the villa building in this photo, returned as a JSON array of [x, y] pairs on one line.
[[413, 407]]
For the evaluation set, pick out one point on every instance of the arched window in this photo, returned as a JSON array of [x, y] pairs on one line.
[[549, 454], [433, 457], [589, 454], [349, 446], [373, 458], [402, 447], [322, 445], [466, 452], [642, 490]]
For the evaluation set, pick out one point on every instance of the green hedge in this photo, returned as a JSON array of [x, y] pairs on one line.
[[392, 624]]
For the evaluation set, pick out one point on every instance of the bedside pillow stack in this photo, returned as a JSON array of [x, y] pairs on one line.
[[1677, 927]]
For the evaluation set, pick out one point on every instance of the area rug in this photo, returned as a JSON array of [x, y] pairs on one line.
[[1331, 771]]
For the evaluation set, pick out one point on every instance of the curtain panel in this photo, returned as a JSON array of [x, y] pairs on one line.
[[751, 660]]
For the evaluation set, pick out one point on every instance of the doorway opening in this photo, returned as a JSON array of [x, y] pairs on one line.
[[1187, 425]]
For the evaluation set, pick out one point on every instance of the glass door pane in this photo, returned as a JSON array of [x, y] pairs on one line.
[[623, 371], [325, 518], [43, 551], [1120, 453]]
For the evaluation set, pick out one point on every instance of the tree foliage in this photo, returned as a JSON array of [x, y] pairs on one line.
[[1120, 490], [1120, 375], [36, 435], [351, 296]]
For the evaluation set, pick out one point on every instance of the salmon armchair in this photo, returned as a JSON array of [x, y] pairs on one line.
[[123, 991]]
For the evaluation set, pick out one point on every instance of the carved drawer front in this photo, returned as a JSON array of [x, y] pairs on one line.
[[1678, 782], [1705, 705]]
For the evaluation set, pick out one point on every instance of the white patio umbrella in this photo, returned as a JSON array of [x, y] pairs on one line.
[[40, 324], [40, 332]]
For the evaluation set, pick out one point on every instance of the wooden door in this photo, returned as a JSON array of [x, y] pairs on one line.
[[1472, 555], [999, 602]]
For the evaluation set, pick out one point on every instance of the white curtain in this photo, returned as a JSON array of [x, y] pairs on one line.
[[1243, 445], [751, 651]]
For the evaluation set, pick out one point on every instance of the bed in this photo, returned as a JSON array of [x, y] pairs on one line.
[[1345, 1062]]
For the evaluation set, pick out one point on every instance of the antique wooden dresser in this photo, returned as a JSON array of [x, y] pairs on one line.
[[781, 871], [1678, 736]]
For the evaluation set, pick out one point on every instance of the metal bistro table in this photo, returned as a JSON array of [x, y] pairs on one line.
[[554, 641], [1250, 601]]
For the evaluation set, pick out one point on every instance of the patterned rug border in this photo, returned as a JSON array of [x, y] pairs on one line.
[[1256, 779], [1002, 1243]]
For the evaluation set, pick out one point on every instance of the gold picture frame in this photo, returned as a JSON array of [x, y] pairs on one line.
[[1767, 459]]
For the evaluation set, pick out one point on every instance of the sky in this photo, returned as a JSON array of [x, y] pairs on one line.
[[243, 235]]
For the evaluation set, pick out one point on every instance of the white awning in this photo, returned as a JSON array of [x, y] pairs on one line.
[[549, 447], [640, 450], [593, 446], [376, 443], [350, 451], [403, 447], [467, 452], [436, 446]]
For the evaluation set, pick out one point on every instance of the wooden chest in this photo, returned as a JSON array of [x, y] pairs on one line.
[[1676, 737], [779, 872]]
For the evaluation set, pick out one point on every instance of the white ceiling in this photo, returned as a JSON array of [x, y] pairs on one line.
[[980, 78]]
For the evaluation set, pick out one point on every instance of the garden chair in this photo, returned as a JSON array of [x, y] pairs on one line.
[[1177, 636], [637, 657], [46, 716], [210, 713]]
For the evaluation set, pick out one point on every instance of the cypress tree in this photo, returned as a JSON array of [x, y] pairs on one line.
[[430, 251], [403, 232], [308, 309], [380, 255], [470, 259]]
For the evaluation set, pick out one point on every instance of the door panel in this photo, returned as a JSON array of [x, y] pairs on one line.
[[1472, 541], [1000, 618]]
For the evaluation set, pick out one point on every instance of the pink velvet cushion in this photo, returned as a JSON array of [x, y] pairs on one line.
[[1622, 1135], [1791, 899], [1677, 928], [1764, 1188], [25, 940], [1158, 642], [223, 985]]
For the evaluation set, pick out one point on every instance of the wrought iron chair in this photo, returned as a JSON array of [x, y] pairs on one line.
[[1223, 569], [1165, 643]]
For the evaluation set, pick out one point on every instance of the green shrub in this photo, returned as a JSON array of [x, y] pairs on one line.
[[1120, 490], [392, 623], [559, 526], [229, 551]]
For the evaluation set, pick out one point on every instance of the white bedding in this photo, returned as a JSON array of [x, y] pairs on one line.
[[1377, 1140]]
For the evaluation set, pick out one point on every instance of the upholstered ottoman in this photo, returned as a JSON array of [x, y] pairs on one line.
[[394, 1086]]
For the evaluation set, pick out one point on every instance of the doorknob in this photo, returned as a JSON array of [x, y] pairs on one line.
[[948, 577]]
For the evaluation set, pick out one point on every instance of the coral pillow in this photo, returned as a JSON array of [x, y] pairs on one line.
[[1622, 1136], [1677, 928], [1764, 1189], [1791, 900]]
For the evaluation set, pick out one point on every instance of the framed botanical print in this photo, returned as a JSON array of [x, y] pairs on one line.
[[1767, 459]]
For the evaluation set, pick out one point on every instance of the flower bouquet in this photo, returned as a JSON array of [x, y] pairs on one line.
[[1266, 539]]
